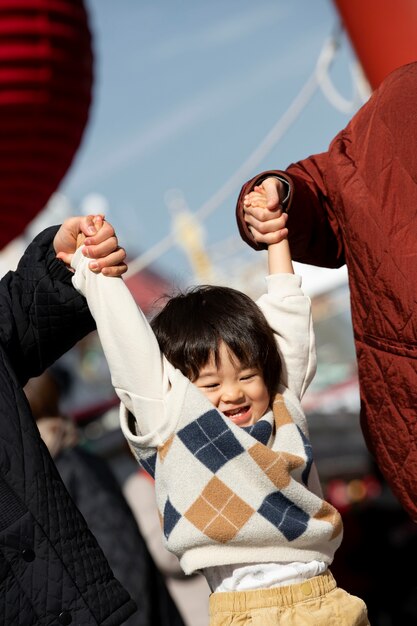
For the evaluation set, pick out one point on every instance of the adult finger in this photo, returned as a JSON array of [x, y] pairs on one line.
[[86, 225], [115, 270], [262, 214], [114, 259], [272, 188], [269, 238], [274, 224], [104, 231], [101, 250]]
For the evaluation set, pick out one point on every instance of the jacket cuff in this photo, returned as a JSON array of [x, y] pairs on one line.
[[42, 250], [247, 187]]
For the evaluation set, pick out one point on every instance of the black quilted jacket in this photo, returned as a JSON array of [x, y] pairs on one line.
[[98, 495], [52, 570]]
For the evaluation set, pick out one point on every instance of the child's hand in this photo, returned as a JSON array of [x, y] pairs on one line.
[[257, 197], [266, 225], [100, 244]]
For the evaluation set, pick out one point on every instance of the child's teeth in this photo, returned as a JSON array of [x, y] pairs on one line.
[[235, 412]]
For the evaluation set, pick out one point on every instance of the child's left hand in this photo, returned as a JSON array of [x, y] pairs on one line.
[[266, 225]]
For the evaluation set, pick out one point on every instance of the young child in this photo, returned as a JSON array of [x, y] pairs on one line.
[[210, 405]]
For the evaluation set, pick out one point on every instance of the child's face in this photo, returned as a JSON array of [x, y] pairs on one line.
[[238, 392]]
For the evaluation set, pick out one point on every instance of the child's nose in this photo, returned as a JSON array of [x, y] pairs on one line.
[[232, 392]]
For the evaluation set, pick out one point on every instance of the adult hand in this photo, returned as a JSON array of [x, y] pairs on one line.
[[264, 214], [100, 244]]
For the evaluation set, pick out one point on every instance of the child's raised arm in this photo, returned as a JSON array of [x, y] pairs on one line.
[[279, 258], [279, 255], [286, 308], [140, 375]]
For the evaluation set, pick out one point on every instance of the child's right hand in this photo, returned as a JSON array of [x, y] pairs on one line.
[[98, 223], [100, 244], [266, 225]]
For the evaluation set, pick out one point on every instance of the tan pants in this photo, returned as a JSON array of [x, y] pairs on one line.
[[316, 602]]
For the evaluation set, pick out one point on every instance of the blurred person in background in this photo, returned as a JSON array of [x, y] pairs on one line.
[[190, 593], [98, 495]]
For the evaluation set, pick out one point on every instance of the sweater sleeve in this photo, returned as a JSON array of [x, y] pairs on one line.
[[148, 386], [288, 312]]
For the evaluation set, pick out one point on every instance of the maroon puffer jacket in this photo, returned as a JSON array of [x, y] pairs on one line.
[[357, 204]]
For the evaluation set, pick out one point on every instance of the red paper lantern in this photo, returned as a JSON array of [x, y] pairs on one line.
[[383, 34], [46, 70]]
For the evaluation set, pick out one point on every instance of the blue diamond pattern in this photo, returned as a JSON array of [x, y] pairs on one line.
[[171, 517], [285, 515], [211, 441], [309, 454], [261, 431], [149, 464]]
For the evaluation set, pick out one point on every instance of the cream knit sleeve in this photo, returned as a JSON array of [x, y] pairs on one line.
[[142, 378], [288, 312]]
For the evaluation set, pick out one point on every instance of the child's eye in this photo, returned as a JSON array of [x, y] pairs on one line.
[[210, 386], [247, 376]]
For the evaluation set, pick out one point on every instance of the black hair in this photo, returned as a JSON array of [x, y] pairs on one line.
[[191, 326]]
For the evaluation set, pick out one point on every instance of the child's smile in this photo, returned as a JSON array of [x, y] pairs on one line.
[[238, 392], [240, 416]]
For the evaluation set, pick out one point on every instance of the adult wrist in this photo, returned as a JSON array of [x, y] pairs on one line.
[[247, 188]]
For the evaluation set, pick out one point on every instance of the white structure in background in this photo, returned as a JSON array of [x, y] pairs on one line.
[[189, 235], [95, 204]]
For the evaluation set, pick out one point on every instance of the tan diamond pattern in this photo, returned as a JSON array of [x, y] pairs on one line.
[[328, 514], [281, 414], [218, 512], [164, 449], [276, 465]]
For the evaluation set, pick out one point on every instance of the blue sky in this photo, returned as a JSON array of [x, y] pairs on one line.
[[185, 91]]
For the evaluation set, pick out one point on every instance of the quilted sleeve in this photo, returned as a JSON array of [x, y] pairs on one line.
[[313, 230], [41, 314]]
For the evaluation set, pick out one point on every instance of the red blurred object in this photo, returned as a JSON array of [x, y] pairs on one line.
[[383, 34], [46, 72], [337, 494], [149, 290]]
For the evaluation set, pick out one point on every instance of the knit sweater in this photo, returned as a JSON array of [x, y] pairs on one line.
[[225, 494]]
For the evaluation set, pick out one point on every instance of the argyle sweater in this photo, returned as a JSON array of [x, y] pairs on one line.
[[225, 494]]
